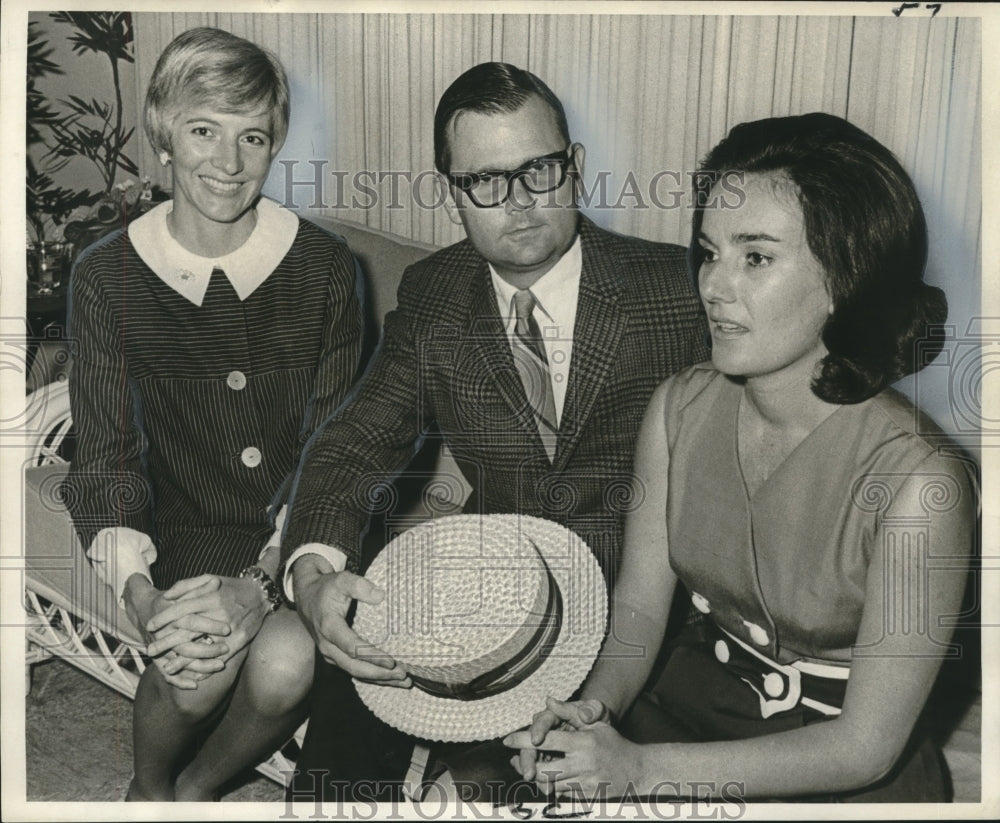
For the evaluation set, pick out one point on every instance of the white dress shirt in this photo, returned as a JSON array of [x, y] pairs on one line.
[[556, 293]]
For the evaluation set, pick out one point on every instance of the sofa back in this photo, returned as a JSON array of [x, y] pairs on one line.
[[383, 258]]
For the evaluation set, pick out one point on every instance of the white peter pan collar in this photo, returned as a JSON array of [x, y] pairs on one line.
[[188, 273]]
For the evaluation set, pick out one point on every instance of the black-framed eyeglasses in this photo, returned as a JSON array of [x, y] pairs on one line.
[[538, 176]]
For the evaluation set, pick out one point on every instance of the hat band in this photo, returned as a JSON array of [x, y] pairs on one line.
[[511, 672]]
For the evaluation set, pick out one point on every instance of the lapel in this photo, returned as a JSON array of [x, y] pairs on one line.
[[488, 339], [600, 323]]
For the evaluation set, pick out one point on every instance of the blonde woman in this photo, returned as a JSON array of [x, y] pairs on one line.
[[213, 336]]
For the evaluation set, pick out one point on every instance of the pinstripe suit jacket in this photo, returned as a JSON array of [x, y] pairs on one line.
[[444, 368], [168, 396]]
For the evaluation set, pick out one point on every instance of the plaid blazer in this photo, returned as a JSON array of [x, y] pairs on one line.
[[444, 368]]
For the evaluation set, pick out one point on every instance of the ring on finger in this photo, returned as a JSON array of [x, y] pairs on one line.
[[206, 639]]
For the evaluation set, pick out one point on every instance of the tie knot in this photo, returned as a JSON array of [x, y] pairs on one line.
[[524, 304]]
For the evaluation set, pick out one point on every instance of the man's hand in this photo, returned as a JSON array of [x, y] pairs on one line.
[[323, 598]]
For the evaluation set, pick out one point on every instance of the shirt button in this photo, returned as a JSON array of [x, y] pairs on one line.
[[236, 380], [721, 651], [250, 457], [757, 634], [700, 603], [773, 684]]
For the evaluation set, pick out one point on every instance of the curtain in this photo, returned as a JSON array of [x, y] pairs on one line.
[[648, 96]]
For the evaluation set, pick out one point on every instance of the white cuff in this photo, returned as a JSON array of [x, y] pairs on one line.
[[117, 553], [275, 539], [335, 557]]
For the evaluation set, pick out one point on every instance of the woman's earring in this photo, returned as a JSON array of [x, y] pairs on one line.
[[164, 158]]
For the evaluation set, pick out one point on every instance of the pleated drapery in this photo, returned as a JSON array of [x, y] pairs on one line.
[[648, 95], [645, 94]]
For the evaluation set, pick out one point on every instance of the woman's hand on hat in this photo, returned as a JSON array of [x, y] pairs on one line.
[[322, 601], [557, 715]]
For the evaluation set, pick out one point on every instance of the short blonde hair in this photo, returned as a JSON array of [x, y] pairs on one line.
[[206, 66]]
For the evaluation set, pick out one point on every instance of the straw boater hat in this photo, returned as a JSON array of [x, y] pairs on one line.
[[489, 615]]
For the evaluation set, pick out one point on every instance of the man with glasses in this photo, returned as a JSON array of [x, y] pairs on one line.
[[532, 348]]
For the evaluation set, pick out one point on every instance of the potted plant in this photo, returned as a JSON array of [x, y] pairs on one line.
[[93, 128], [45, 201], [76, 126]]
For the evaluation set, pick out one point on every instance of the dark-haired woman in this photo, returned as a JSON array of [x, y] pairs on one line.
[[213, 336], [798, 498]]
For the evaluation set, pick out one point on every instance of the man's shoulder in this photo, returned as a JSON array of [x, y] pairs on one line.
[[442, 285], [622, 248], [460, 256], [633, 247], [650, 279], [635, 261], [446, 276]]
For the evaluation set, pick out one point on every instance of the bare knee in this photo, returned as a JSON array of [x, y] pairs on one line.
[[279, 667], [189, 705]]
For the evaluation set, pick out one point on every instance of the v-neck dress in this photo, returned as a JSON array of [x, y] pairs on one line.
[[191, 418], [780, 574]]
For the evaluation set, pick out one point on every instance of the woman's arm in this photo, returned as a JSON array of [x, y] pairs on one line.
[[340, 354], [641, 601], [901, 642], [106, 486], [108, 493]]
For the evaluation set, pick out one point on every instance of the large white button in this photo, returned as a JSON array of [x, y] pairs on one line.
[[721, 651], [773, 684], [757, 634], [236, 380], [250, 457], [700, 603]]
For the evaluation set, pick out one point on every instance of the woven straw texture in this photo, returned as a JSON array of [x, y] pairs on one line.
[[463, 593]]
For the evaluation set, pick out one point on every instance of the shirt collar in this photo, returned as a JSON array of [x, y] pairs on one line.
[[188, 273], [551, 290]]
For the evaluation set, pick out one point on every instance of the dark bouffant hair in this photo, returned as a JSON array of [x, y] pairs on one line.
[[489, 88], [865, 226]]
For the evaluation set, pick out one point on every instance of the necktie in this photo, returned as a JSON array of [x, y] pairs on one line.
[[533, 366]]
